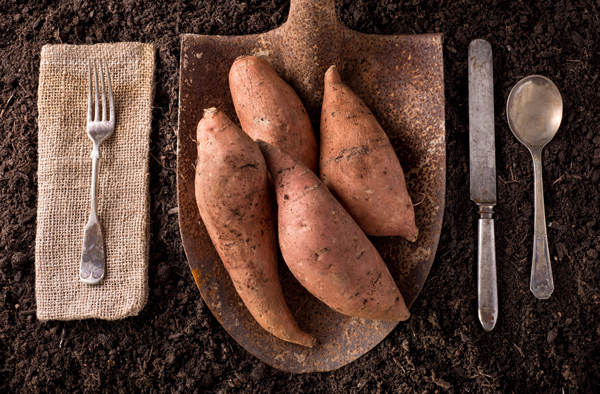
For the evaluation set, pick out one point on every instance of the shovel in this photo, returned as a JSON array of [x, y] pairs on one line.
[[400, 79]]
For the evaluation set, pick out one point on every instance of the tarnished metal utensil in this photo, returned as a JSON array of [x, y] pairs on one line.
[[482, 159], [534, 111], [92, 269]]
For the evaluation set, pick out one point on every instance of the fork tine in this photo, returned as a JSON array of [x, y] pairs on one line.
[[103, 92], [97, 100], [110, 97], [90, 93]]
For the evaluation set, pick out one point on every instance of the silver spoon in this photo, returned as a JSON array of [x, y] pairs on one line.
[[534, 111]]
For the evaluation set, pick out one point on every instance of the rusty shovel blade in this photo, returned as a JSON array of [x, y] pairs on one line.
[[400, 78]]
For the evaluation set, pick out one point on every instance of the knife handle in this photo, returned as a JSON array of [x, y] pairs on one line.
[[487, 290]]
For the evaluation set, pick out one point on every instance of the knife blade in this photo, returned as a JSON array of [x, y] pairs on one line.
[[482, 161]]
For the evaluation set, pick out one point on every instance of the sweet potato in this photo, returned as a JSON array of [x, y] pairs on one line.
[[234, 202], [325, 249], [270, 110], [359, 166]]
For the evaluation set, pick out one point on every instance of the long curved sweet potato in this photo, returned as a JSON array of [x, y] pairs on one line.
[[234, 202], [359, 166], [270, 110], [325, 249]]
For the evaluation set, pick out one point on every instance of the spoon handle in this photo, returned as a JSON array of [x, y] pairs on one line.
[[542, 284]]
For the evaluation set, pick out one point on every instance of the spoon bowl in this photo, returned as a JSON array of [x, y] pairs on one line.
[[534, 111]]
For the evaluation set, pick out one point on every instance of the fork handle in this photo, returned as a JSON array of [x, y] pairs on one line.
[[94, 190], [91, 269]]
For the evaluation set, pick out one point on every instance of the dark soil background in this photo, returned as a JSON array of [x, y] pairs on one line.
[[176, 345]]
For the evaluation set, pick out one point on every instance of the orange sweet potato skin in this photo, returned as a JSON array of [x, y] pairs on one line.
[[234, 202], [359, 166], [269, 109], [325, 249]]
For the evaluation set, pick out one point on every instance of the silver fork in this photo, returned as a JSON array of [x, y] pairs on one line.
[[91, 269]]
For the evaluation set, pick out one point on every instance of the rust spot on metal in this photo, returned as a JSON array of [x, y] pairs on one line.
[[400, 78]]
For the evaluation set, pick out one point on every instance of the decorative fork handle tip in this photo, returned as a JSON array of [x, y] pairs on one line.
[[92, 258], [91, 280]]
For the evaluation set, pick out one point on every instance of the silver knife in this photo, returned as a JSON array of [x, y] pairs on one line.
[[482, 159]]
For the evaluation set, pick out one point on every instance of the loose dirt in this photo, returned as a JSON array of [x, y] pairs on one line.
[[176, 345]]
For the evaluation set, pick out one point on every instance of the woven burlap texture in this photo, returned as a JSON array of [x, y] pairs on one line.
[[64, 182]]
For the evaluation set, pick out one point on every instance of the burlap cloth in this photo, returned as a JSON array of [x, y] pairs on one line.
[[64, 182]]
